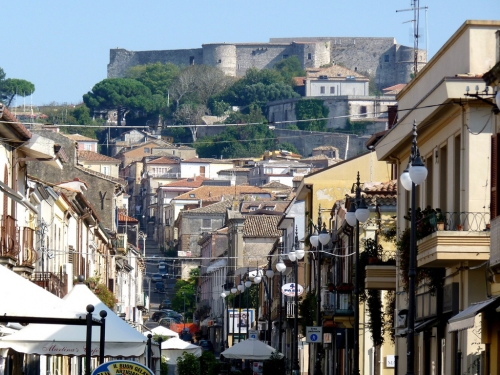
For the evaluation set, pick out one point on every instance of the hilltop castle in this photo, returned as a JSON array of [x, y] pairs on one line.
[[382, 58]]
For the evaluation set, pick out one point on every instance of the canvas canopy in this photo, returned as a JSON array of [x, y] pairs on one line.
[[162, 331], [21, 297], [250, 349], [121, 339], [174, 348]]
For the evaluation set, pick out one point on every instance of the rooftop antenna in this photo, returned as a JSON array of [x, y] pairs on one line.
[[415, 7]]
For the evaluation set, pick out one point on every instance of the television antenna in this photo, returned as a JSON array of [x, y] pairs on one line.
[[415, 7]]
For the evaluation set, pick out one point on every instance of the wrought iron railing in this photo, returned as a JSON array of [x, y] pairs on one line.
[[337, 303], [466, 221], [55, 284], [10, 237], [290, 309]]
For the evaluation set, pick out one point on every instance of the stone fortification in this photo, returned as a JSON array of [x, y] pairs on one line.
[[382, 58]]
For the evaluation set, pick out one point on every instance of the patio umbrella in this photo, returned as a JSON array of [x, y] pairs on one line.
[[174, 348], [121, 339], [250, 349], [162, 331]]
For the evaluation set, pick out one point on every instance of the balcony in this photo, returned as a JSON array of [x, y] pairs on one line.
[[9, 245], [121, 243], [55, 284], [290, 309], [380, 277], [465, 237], [338, 307]]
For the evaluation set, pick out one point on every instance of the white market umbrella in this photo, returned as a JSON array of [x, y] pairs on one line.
[[51, 339], [250, 349], [21, 297], [174, 348], [162, 331]]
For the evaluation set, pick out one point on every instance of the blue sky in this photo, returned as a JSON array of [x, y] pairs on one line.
[[63, 46]]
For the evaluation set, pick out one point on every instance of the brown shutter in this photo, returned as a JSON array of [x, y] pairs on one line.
[[494, 197]]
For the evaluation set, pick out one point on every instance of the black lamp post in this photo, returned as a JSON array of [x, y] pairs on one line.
[[414, 174], [294, 256], [248, 284], [316, 239], [269, 276], [280, 267], [358, 212], [224, 309], [184, 298], [234, 290]]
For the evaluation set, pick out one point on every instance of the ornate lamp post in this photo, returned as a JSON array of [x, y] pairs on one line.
[[226, 326], [322, 238], [294, 256], [143, 236], [358, 213], [280, 267], [414, 174], [248, 284], [269, 276]]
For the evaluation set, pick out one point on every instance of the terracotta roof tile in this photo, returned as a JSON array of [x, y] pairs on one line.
[[214, 208], [207, 160], [262, 226], [276, 206], [297, 178], [125, 218], [163, 160], [275, 185], [79, 137], [188, 182], [94, 156], [207, 192], [384, 187]]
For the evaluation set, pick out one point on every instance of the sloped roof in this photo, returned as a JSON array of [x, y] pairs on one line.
[[332, 72], [163, 160], [261, 226], [393, 90], [325, 148], [275, 185], [95, 156], [124, 218], [214, 208], [78, 137], [277, 206], [206, 192], [316, 157], [188, 182], [382, 187], [207, 160]]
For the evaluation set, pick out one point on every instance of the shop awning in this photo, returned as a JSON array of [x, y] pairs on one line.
[[465, 319]]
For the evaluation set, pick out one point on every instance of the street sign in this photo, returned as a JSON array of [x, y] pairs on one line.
[[314, 334], [253, 334], [289, 289]]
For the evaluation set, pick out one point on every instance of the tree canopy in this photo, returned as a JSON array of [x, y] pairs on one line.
[[12, 87], [311, 109], [120, 94]]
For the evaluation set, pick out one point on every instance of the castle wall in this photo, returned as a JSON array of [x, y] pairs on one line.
[[121, 60], [381, 58]]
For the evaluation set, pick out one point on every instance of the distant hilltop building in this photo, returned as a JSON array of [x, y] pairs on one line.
[[382, 58]]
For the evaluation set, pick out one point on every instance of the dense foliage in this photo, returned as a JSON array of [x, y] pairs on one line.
[[209, 365], [188, 364], [12, 87], [185, 292], [311, 109], [307, 311]]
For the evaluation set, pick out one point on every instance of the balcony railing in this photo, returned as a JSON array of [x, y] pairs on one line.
[[55, 284], [466, 221], [290, 309], [10, 237], [29, 255], [335, 303]]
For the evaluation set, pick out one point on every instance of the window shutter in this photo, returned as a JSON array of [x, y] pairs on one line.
[[494, 196]]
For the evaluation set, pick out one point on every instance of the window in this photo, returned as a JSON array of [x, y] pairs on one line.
[[253, 208], [309, 56], [147, 150], [206, 223], [332, 90], [192, 196], [285, 57], [191, 60], [87, 146], [202, 171], [362, 110], [269, 208], [355, 68], [106, 170], [322, 89], [219, 61], [386, 58]]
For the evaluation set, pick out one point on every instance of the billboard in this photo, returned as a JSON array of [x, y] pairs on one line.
[[239, 321]]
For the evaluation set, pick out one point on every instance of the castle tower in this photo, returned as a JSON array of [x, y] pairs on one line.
[[222, 56]]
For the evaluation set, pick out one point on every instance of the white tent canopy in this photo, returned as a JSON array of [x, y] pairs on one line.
[[21, 297], [162, 331], [121, 339], [174, 348], [250, 349]]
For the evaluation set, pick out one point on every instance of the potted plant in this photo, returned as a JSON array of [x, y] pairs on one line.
[[440, 219]]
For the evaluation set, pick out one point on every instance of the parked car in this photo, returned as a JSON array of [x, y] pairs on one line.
[[165, 304], [157, 315], [156, 278], [206, 345], [165, 322], [173, 314]]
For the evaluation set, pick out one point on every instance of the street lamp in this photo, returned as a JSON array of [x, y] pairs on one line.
[[143, 236], [224, 309], [316, 239], [269, 276], [280, 267], [294, 256], [358, 213], [234, 290], [184, 298], [248, 284], [414, 174]]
